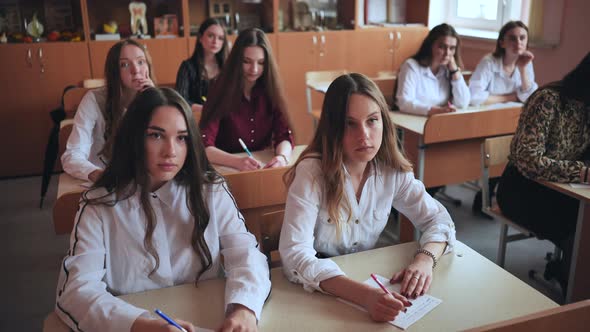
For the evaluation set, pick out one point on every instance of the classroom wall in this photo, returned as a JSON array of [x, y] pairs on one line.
[[550, 63]]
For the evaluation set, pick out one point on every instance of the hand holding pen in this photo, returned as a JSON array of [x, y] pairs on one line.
[[383, 305], [172, 325], [246, 163], [166, 324]]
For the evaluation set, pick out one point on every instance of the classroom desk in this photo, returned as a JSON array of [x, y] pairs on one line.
[[579, 277], [474, 290], [256, 192], [446, 148]]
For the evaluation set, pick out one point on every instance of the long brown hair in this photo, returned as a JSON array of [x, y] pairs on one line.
[[127, 171], [113, 110], [500, 51], [424, 54], [199, 53], [227, 90], [328, 140]]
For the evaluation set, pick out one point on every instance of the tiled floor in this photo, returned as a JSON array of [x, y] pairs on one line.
[[31, 253]]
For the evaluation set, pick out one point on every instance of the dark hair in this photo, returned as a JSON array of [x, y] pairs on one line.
[[113, 110], [198, 54], [424, 54], [127, 171], [500, 51], [227, 90], [575, 84], [327, 143]]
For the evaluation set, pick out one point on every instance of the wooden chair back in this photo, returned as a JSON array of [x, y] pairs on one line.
[[72, 99], [386, 83], [314, 78], [270, 232], [571, 317]]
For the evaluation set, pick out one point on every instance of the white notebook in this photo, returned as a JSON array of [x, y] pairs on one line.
[[420, 306]]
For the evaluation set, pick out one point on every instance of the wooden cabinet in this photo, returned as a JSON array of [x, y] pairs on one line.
[[299, 53], [32, 78]]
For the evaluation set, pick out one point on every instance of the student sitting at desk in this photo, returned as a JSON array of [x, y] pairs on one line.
[[341, 190], [195, 73], [246, 102], [128, 69], [551, 143], [507, 74], [430, 82], [158, 216]]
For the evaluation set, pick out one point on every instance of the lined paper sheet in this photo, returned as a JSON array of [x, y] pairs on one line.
[[420, 306]]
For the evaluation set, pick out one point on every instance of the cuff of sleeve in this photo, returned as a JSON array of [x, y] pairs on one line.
[[447, 236], [122, 320], [322, 270], [246, 299]]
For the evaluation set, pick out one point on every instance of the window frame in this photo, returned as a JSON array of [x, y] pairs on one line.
[[503, 10]]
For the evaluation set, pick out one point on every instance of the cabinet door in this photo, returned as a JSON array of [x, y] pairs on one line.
[[167, 54], [407, 43], [370, 51], [32, 90], [333, 50], [98, 55], [297, 54]]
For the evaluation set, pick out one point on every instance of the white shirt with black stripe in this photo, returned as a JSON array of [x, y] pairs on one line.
[[107, 257], [308, 229]]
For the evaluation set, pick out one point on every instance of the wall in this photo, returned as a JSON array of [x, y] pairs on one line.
[[550, 63]]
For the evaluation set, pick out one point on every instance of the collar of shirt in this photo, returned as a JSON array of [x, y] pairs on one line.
[[167, 193], [442, 73]]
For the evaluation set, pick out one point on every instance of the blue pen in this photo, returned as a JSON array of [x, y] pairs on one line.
[[169, 320], [245, 147]]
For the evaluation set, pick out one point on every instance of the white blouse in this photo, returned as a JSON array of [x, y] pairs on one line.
[[419, 89], [87, 138], [489, 78], [308, 230], [107, 257]]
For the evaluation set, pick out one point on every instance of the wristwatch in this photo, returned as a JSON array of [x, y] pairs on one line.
[[452, 72]]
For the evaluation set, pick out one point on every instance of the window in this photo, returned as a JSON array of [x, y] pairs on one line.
[[487, 15]]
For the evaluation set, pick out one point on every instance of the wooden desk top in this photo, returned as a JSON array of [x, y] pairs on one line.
[[566, 188], [474, 291], [473, 122]]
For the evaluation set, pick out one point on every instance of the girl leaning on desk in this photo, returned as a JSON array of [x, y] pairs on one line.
[[551, 143], [341, 190], [430, 82], [158, 216], [246, 102], [195, 73], [507, 75], [128, 70]]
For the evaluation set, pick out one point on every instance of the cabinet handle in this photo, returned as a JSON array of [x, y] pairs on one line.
[[391, 36], [323, 45], [41, 61], [314, 39], [29, 58]]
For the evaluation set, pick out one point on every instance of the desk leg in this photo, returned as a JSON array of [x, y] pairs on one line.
[[579, 278]]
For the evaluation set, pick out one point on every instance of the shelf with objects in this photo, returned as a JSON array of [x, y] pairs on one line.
[[158, 24], [235, 15]]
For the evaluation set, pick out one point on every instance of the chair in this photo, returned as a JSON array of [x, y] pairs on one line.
[[270, 232], [318, 80], [494, 157], [385, 81]]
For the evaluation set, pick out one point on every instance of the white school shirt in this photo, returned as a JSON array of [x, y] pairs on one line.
[[307, 228], [87, 138], [107, 257], [489, 78], [418, 89]]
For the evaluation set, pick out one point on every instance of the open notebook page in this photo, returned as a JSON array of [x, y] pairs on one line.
[[420, 306]]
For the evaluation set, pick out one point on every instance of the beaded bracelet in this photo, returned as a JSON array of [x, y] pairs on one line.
[[427, 253]]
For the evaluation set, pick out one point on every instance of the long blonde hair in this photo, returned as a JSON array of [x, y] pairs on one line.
[[328, 140]]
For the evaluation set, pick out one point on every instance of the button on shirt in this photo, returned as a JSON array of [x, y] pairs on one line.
[[107, 257], [489, 78], [256, 122], [87, 138], [308, 229], [419, 89]]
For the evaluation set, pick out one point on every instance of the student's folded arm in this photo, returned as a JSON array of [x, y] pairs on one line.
[[461, 94], [75, 159], [480, 82], [246, 269], [529, 154], [82, 300], [524, 94], [281, 130], [426, 213], [406, 91], [296, 244]]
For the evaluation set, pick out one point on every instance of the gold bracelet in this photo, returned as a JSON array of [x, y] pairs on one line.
[[427, 253]]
